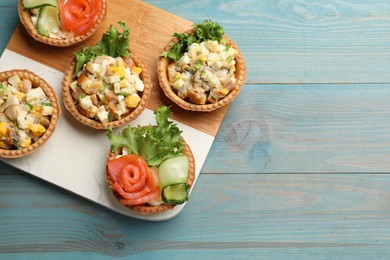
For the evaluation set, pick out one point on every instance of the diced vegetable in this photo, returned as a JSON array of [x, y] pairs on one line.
[[175, 194], [47, 20], [172, 171]]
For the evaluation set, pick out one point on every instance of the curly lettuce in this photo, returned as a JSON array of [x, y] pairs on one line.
[[207, 30], [154, 143], [113, 43]]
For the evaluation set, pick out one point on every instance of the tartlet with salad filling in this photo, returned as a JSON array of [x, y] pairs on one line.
[[201, 69], [150, 169], [106, 85], [29, 111], [62, 22]]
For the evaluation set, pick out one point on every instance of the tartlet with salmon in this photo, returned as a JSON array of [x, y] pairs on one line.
[[62, 22], [29, 111], [150, 169], [201, 69], [106, 85]]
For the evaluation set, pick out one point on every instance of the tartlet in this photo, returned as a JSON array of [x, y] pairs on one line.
[[40, 109], [150, 168], [151, 209], [122, 92], [239, 74], [70, 105], [25, 18]]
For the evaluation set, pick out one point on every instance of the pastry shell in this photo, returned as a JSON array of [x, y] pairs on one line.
[[25, 18], [240, 74], [149, 209], [50, 93], [71, 107]]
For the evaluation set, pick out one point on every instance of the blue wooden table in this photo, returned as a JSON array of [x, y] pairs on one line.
[[298, 170]]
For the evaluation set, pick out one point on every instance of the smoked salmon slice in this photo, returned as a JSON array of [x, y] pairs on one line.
[[133, 180], [79, 16]]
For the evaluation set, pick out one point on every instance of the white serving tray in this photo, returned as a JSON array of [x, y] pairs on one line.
[[74, 158]]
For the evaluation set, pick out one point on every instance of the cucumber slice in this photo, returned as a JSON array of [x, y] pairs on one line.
[[47, 20], [173, 170], [32, 4], [175, 193]]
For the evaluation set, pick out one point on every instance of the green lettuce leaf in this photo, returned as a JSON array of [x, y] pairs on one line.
[[207, 30], [83, 56], [113, 43], [154, 143]]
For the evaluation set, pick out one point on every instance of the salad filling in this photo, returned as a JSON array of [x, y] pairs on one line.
[[203, 67], [107, 88], [25, 113]]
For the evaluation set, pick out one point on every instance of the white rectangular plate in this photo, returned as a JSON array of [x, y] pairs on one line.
[[74, 158]]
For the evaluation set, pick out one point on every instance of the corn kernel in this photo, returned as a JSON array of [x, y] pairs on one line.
[[36, 111], [177, 76], [136, 70], [121, 69], [202, 58], [185, 67], [26, 142], [224, 91], [132, 101], [118, 70], [3, 129], [37, 129], [121, 72]]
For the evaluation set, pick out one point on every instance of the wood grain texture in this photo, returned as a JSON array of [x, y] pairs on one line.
[[8, 21], [313, 128], [286, 216], [270, 128]]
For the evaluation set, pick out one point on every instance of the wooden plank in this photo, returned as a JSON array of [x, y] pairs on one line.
[[321, 128], [297, 41], [8, 21], [151, 29], [293, 216]]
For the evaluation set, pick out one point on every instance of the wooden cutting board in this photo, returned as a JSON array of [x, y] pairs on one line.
[[150, 30]]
